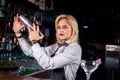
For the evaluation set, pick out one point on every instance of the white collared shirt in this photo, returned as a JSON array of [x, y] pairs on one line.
[[69, 58]]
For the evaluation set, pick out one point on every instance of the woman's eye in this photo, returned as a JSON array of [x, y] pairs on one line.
[[58, 27], [65, 27], [62, 27]]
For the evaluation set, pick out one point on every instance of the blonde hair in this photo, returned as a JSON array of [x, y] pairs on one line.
[[72, 22]]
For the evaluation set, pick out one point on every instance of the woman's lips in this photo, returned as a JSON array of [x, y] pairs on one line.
[[61, 34]]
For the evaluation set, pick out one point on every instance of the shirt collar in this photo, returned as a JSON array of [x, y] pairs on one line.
[[66, 43]]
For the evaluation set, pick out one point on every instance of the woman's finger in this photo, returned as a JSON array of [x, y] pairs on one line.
[[23, 26], [16, 17], [38, 29], [34, 27], [29, 29]]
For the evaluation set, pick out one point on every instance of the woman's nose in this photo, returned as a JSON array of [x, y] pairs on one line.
[[61, 29]]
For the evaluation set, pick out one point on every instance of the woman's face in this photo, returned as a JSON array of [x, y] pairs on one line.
[[64, 30]]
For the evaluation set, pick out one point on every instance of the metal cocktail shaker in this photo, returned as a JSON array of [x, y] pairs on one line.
[[27, 22]]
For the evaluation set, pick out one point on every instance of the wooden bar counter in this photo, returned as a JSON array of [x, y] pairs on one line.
[[9, 76]]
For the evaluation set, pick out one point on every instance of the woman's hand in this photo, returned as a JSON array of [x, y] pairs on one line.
[[34, 33], [17, 26]]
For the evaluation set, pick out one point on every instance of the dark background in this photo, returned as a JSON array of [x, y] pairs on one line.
[[102, 18]]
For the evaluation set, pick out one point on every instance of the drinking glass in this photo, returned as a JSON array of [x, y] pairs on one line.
[[89, 66]]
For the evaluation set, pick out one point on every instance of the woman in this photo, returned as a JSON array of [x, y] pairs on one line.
[[64, 54]]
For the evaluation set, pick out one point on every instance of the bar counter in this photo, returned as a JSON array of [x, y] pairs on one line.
[[9, 76]]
